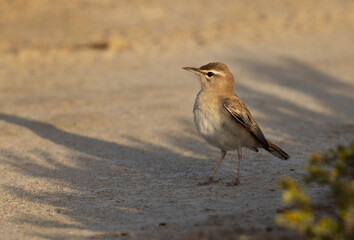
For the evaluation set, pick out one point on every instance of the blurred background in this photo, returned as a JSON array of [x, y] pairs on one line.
[[97, 134], [164, 25]]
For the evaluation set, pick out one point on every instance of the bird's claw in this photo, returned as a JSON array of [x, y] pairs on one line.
[[210, 181], [235, 183]]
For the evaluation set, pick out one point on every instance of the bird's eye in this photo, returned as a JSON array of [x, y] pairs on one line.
[[210, 74]]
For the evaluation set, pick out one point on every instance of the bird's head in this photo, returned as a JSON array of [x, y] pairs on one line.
[[214, 75]]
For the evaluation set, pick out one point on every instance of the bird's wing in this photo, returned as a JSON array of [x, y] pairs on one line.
[[240, 113]]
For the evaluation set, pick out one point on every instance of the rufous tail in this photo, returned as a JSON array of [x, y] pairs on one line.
[[276, 151]]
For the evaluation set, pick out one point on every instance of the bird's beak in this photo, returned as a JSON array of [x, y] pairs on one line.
[[193, 70]]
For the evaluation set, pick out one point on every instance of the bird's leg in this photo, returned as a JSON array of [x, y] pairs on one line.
[[239, 155], [223, 153]]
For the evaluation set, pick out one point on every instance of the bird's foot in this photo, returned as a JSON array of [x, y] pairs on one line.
[[210, 181], [235, 183]]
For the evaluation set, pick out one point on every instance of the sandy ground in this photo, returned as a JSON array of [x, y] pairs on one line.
[[97, 134]]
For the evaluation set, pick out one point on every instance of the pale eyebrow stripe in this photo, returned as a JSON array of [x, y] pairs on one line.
[[215, 72]]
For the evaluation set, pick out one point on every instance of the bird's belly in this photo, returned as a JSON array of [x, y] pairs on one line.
[[225, 134]]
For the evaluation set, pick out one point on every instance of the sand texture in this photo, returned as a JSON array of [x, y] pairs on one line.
[[97, 139]]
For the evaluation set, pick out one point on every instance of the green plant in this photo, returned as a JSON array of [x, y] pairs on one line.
[[334, 168]]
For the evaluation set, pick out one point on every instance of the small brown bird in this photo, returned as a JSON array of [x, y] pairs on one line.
[[223, 119]]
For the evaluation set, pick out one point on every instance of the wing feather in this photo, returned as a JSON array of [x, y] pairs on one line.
[[240, 113]]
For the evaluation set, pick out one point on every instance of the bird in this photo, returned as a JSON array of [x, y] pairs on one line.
[[223, 119]]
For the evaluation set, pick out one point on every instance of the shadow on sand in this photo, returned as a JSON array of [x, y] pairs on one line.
[[108, 177], [305, 94]]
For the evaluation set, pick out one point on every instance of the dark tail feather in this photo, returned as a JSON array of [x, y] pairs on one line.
[[276, 151]]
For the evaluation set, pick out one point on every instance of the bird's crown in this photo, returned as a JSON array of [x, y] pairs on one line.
[[218, 66]]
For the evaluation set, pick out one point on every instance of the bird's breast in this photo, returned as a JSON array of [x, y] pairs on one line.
[[206, 122], [208, 119]]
